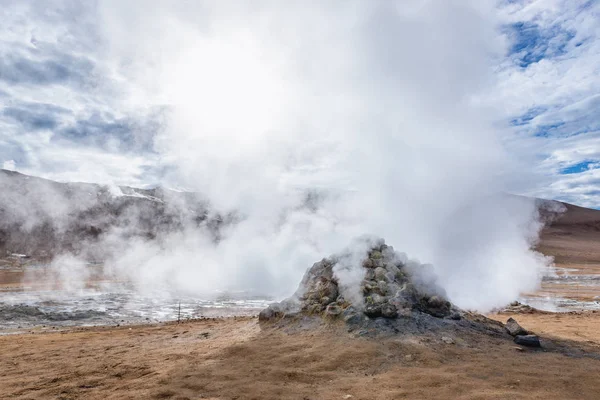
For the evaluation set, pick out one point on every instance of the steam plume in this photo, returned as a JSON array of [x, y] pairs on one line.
[[317, 122]]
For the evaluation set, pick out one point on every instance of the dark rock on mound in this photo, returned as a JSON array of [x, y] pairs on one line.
[[376, 291], [528, 340]]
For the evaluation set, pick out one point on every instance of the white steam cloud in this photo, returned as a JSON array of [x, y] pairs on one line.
[[367, 110]]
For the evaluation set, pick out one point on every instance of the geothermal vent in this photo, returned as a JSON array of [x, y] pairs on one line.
[[373, 288]]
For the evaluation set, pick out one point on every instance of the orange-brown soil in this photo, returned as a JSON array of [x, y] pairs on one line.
[[234, 359]]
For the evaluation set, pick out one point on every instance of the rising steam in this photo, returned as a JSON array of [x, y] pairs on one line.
[[317, 122]]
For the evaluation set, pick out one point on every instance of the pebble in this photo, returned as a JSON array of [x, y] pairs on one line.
[[447, 340]]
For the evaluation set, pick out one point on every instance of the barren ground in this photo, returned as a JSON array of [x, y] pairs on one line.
[[234, 358]]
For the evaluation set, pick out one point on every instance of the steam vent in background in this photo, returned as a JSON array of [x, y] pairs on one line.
[[388, 294]]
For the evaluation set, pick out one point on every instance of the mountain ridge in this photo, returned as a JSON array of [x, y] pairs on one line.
[[40, 218]]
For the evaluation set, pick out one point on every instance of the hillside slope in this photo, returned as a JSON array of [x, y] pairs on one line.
[[39, 217], [573, 237]]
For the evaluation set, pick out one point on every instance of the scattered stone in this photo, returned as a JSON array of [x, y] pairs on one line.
[[353, 320], [376, 298], [393, 269], [373, 310], [447, 340], [389, 311], [399, 302], [383, 288], [455, 316], [436, 306], [514, 329], [267, 314], [408, 357], [314, 309], [375, 255], [333, 310], [518, 348], [528, 340], [351, 316], [436, 302]]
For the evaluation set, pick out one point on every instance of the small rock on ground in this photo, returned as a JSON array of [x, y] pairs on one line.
[[447, 340], [514, 329], [528, 340]]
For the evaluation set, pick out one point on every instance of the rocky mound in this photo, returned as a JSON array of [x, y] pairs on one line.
[[389, 294]]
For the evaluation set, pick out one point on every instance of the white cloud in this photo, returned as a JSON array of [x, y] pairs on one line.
[[560, 92], [62, 113], [104, 65], [9, 165]]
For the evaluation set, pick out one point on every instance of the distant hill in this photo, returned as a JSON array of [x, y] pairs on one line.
[[40, 217], [573, 238]]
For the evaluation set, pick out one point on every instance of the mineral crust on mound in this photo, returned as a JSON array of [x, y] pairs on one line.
[[391, 294]]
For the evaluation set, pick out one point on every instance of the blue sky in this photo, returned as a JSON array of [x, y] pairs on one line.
[[69, 112], [556, 101]]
